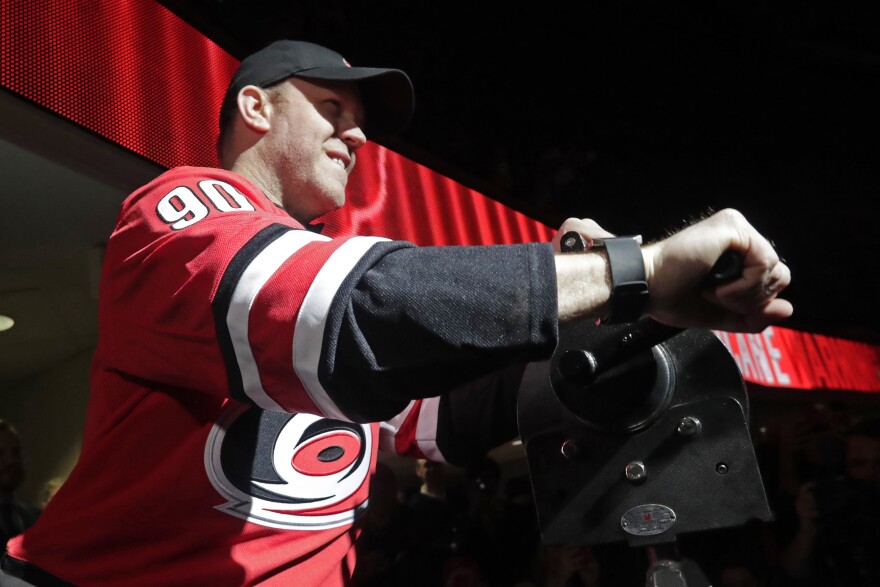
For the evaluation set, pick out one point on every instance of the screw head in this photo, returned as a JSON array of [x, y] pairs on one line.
[[569, 449], [689, 427], [636, 472]]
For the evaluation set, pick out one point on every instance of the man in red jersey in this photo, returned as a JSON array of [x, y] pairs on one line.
[[248, 368]]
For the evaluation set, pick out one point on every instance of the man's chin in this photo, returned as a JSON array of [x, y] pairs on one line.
[[335, 201]]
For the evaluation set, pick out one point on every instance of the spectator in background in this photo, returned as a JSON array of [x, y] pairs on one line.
[[558, 565], [432, 527], [15, 516], [863, 452], [835, 540], [803, 440], [50, 488], [524, 534], [497, 535], [740, 570], [384, 536], [429, 503]]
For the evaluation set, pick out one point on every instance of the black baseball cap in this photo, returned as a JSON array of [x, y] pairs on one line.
[[387, 93]]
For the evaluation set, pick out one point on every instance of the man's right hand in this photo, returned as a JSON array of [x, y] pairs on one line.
[[677, 265], [676, 268]]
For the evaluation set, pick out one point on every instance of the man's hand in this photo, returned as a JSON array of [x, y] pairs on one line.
[[676, 266], [587, 228]]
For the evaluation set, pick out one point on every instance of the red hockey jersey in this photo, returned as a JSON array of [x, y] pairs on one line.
[[242, 366]]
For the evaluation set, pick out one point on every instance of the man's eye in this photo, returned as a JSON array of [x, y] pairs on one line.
[[332, 106]]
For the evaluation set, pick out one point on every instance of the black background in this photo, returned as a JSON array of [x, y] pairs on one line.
[[639, 115]]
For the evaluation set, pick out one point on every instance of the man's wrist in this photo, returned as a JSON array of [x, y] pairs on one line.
[[629, 283]]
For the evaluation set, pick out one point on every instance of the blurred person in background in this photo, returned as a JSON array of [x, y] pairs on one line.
[[15, 515], [562, 565], [50, 488], [385, 533], [432, 526], [835, 541]]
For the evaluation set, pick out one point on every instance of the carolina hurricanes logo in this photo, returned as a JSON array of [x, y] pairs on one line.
[[293, 471]]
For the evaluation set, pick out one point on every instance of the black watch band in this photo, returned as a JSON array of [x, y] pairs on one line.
[[629, 285]]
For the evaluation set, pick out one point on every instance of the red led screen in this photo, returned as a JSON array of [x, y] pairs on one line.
[[389, 195], [779, 357], [134, 73], [128, 70]]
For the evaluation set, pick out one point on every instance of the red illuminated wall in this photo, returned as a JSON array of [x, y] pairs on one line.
[[784, 358], [134, 73], [126, 69], [391, 196]]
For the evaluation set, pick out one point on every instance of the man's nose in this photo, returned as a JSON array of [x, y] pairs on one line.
[[353, 136]]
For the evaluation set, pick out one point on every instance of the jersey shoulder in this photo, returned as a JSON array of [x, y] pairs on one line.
[[183, 197], [204, 181]]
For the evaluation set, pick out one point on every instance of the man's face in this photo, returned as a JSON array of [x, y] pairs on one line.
[[315, 130], [11, 467]]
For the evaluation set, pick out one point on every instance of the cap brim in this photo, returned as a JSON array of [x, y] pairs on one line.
[[388, 95]]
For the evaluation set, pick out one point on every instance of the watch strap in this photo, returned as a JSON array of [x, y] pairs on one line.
[[629, 285]]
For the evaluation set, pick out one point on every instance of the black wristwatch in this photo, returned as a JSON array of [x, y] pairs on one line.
[[629, 285]]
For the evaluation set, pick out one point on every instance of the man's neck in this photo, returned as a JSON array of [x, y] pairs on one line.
[[259, 176]]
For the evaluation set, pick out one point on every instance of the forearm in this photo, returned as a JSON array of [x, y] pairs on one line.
[[583, 284]]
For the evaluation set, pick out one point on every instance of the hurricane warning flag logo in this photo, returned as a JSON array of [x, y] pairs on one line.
[[292, 471]]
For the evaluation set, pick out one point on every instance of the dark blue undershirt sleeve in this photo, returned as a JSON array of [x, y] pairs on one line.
[[482, 415], [413, 322]]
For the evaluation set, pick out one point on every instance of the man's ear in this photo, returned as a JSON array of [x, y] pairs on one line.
[[254, 107]]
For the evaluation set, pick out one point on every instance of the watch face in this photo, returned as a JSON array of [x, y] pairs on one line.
[[574, 242], [600, 242]]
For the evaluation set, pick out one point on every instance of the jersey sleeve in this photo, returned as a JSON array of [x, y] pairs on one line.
[[203, 271]]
